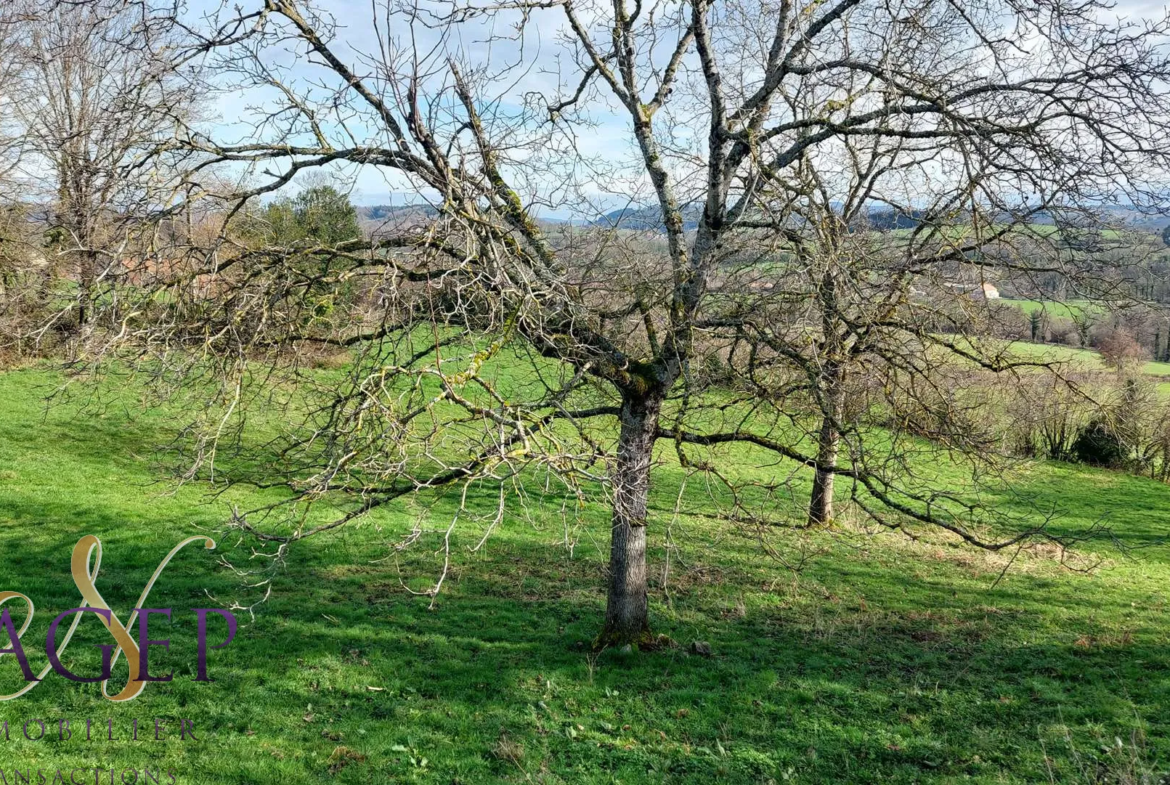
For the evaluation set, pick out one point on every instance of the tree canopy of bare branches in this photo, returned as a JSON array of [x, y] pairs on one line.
[[761, 137], [93, 97]]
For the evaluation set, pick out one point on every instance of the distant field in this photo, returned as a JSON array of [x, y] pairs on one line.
[[1086, 359], [1068, 309], [957, 232]]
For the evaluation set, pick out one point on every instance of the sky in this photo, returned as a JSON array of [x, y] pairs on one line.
[[229, 113], [608, 140]]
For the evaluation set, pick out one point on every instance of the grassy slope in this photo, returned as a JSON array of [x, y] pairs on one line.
[[885, 660], [1086, 358], [1056, 310], [1083, 358]]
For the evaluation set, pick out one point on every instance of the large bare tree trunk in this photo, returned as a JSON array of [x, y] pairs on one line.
[[76, 219], [627, 618], [820, 508]]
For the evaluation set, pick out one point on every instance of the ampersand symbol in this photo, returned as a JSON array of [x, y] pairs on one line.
[[85, 578]]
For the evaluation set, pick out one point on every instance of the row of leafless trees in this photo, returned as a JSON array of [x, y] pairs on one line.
[[760, 318]]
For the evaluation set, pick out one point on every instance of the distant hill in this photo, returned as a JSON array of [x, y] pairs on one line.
[[884, 220], [387, 219], [650, 218], [647, 218], [383, 217], [382, 212], [384, 220]]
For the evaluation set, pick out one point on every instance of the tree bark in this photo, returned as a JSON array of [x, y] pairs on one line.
[[820, 508], [627, 617], [85, 276]]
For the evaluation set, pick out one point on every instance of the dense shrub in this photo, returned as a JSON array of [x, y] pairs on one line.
[[1063, 331], [1044, 415], [1098, 444]]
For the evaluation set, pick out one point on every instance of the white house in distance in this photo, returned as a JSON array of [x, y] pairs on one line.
[[976, 291]]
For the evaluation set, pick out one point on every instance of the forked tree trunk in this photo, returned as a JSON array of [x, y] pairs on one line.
[[820, 508], [627, 618]]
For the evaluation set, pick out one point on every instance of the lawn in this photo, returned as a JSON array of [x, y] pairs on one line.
[[1068, 309], [1084, 359], [881, 660]]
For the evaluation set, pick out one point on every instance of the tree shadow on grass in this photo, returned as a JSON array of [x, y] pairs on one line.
[[498, 684], [872, 669]]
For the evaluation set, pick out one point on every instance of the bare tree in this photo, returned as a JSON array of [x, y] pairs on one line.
[[871, 341], [760, 134], [1120, 350], [96, 97], [12, 16]]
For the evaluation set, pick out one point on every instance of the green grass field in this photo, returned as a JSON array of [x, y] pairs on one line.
[[1083, 359], [1069, 309], [882, 660]]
